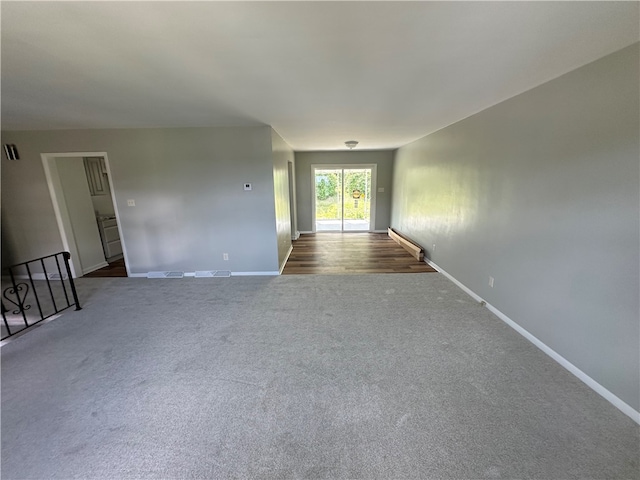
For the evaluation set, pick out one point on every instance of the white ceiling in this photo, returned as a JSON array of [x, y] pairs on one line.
[[382, 73]]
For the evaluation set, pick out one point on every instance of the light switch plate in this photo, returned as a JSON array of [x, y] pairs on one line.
[[131, 203]]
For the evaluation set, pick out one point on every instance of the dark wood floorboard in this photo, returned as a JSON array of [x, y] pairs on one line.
[[349, 253], [115, 269]]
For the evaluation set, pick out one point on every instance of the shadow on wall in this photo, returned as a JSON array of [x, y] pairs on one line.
[[7, 248]]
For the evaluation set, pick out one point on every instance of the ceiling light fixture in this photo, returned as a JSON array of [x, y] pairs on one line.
[[351, 144]]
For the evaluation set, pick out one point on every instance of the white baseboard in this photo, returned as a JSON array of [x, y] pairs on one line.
[[285, 260], [94, 267], [253, 274], [361, 231], [35, 276], [233, 274], [590, 382]]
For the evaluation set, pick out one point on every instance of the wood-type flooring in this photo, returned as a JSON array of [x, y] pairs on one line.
[[115, 269], [350, 253]]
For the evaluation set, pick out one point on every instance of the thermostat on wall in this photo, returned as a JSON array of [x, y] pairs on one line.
[[247, 186]]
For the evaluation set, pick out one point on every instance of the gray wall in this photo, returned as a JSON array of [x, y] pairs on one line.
[[541, 192], [304, 193], [29, 228], [188, 188], [282, 155]]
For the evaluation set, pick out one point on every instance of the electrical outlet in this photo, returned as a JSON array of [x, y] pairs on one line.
[[491, 282], [247, 186], [433, 249], [225, 256], [131, 203]]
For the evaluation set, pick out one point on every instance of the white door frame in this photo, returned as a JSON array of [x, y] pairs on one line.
[[345, 166], [293, 208], [60, 207]]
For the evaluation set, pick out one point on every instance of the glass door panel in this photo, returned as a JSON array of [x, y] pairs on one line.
[[357, 199], [328, 183], [342, 199]]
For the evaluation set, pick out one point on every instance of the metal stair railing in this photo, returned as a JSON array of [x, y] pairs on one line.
[[23, 284]]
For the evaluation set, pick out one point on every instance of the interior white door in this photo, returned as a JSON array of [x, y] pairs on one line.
[[81, 214]]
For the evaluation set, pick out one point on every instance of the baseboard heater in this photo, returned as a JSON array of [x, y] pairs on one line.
[[415, 250]]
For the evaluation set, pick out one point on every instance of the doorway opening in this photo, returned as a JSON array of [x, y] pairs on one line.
[[343, 198], [83, 200]]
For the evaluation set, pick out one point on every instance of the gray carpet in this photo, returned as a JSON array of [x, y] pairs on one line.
[[387, 376]]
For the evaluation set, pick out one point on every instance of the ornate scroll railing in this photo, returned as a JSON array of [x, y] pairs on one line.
[[36, 290]]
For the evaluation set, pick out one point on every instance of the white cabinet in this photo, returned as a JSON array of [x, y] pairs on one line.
[[110, 237], [96, 175]]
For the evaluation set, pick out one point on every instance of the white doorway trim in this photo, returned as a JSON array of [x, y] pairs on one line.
[[345, 166], [60, 207], [293, 209]]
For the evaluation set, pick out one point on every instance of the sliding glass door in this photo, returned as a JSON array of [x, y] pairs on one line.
[[342, 198], [328, 183], [357, 199]]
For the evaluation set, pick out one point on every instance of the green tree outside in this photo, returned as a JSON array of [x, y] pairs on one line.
[[326, 186], [328, 196]]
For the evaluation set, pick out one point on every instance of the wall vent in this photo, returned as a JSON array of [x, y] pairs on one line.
[[222, 273], [56, 276], [11, 151], [205, 274], [165, 274], [156, 274]]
